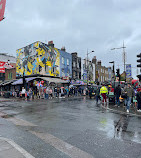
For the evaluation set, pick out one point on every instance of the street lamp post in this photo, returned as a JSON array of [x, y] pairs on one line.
[[113, 62], [124, 57], [88, 66]]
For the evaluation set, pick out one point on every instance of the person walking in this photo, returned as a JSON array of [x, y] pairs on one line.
[[117, 92], [104, 92], [97, 92], [130, 93], [138, 97]]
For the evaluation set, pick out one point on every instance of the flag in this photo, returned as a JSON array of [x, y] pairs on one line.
[[2, 9]]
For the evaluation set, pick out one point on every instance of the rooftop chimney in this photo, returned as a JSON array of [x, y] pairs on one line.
[[63, 49], [94, 60], [50, 44], [99, 62]]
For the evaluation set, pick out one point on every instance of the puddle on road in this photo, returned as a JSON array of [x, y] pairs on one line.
[[119, 129]]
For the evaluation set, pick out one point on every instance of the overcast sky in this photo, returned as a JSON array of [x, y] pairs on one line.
[[78, 25]]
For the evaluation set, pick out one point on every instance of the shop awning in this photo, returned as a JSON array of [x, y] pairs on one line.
[[8, 82], [54, 80], [19, 81]]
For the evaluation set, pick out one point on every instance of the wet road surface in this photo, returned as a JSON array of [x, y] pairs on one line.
[[70, 128]]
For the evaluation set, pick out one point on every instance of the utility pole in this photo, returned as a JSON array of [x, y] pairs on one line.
[[124, 59], [88, 65], [87, 68]]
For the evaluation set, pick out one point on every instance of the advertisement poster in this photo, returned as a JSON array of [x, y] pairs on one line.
[[128, 71]]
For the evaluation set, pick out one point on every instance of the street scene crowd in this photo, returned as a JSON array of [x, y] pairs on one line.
[[125, 94]]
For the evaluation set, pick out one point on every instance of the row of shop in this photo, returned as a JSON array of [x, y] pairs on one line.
[[32, 82]]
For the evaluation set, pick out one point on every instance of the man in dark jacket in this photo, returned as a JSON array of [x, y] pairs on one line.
[[139, 100], [117, 95], [130, 93]]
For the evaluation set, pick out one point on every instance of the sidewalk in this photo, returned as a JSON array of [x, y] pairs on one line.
[[122, 109], [9, 149]]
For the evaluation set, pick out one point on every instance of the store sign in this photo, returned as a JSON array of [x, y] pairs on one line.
[[2, 9], [2, 69], [4, 65]]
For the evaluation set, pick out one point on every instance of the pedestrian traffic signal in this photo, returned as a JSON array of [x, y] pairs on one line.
[[139, 60]]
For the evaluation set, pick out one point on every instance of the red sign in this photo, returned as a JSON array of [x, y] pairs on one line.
[[2, 69], [2, 9], [4, 65]]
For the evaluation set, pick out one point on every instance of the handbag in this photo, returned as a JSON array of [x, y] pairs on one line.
[[124, 95]]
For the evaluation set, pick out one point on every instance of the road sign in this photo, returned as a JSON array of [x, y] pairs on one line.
[[128, 71]]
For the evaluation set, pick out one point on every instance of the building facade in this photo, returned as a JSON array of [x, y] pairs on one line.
[[6, 62], [76, 66], [88, 70], [101, 72], [65, 64], [43, 59], [10, 74]]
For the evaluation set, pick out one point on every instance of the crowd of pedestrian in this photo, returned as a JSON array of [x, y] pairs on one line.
[[47, 92], [128, 94]]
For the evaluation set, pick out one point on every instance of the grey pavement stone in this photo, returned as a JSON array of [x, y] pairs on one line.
[[8, 151]]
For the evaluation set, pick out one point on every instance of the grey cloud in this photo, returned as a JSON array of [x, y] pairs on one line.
[[77, 24]]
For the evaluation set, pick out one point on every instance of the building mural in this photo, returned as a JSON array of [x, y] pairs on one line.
[[38, 58]]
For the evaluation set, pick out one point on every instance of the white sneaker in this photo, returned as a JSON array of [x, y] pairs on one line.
[[139, 110], [127, 111]]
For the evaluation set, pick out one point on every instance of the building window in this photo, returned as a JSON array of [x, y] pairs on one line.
[[74, 64], [46, 69], [74, 74], [63, 61], [54, 69], [63, 74], [10, 76], [68, 62]]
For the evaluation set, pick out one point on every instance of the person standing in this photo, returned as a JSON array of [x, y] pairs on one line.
[[130, 93], [138, 96], [23, 92], [104, 92], [117, 95], [97, 92]]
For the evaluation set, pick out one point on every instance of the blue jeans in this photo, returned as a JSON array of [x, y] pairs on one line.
[[46, 96], [125, 101], [117, 100], [97, 99], [128, 102]]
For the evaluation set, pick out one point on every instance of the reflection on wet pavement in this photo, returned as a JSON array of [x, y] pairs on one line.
[[78, 115]]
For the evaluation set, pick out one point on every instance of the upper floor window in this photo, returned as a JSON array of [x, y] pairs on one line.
[[68, 62], [63, 60], [74, 64]]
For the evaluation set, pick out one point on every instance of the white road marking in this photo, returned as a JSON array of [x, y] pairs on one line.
[[20, 122], [62, 146], [57, 143], [17, 147]]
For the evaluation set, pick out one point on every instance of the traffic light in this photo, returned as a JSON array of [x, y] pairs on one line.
[[117, 72], [139, 60]]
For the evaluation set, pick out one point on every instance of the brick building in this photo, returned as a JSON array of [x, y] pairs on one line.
[[76, 66]]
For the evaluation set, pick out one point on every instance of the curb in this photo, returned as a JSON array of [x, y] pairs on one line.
[[121, 112], [17, 147]]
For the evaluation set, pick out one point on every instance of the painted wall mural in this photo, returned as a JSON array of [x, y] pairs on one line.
[[38, 58]]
